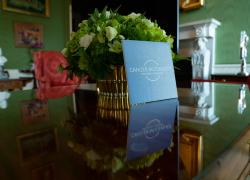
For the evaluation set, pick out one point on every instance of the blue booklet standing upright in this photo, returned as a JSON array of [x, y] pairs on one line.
[[152, 95], [149, 70]]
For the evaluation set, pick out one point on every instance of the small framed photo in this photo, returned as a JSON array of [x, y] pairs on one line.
[[28, 35], [187, 5], [36, 145], [34, 111], [34, 7], [44, 172]]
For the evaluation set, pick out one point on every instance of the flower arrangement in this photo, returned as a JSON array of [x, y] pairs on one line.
[[96, 47]]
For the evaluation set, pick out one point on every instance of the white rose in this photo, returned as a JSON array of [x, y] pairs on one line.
[[148, 22], [86, 40], [83, 22], [164, 33], [98, 28], [107, 14], [110, 33], [64, 52], [134, 15], [121, 37], [115, 47]]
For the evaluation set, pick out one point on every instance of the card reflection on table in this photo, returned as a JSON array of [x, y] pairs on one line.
[[150, 127]]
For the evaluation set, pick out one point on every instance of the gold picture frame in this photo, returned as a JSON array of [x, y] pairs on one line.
[[191, 151], [187, 5], [38, 7], [37, 145]]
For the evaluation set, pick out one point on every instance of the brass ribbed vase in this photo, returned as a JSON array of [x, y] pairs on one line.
[[113, 102]]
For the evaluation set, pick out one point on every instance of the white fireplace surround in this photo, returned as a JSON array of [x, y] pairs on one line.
[[191, 31], [191, 111]]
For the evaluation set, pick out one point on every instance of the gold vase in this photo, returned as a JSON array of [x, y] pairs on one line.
[[113, 102]]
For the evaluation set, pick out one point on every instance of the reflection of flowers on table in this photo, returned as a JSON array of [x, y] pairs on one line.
[[114, 160], [104, 153]]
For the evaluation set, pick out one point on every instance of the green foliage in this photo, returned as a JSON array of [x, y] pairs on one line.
[[96, 47]]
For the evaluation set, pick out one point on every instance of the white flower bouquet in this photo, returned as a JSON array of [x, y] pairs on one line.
[[96, 47]]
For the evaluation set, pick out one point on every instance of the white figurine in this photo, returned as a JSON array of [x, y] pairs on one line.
[[242, 99], [200, 91], [3, 60], [201, 60], [243, 52], [4, 95]]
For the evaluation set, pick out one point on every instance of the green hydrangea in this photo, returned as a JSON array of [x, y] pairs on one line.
[[96, 47]]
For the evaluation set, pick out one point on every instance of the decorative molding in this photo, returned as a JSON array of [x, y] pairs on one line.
[[193, 110], [189, 32], [206, 27]]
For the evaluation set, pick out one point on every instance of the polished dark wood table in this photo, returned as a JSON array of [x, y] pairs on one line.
[[229, 78], [213, 124]]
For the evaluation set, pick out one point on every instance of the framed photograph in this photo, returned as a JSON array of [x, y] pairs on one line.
[[187, 5], [46, 172], [36, 145], [34, 111], [34, 7], [28, 35], [191, 146]]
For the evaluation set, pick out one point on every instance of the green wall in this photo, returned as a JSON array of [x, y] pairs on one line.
[[234, 17], [55, 33]]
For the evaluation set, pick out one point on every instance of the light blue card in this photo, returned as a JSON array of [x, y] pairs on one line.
[[149, 70], [151, 127]]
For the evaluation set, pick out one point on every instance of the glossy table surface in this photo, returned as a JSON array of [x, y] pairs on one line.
[[84, 147]]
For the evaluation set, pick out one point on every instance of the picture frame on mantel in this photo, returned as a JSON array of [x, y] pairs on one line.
[[188, 5], [38, 7]]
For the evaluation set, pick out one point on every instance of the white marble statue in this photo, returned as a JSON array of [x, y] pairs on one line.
[[201, 60], [242, 99], [4, 96], [200, 91], [3, 60], [243, 53]]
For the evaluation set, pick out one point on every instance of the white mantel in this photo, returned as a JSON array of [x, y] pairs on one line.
[[189, 32]]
